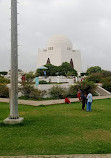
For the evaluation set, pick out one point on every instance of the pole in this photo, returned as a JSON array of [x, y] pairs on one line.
[[14, 116], [14, 63]]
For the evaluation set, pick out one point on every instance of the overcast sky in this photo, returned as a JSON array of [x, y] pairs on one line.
[[87, 23]]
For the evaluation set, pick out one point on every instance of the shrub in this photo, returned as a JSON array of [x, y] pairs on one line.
[[106, 73], [37, 94], [70, 73], [84, 86], [87, 86], [30, 77], [95, 77], [57, 92], [107, 83], [4, 80], [72, 91], [29, 92], [4, 91], [107, 86], [26, 89], [106, 80], [43, 82]]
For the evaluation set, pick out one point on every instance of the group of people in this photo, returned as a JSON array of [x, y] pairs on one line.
[[85, 98]]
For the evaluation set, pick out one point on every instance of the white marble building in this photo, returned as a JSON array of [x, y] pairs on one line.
[[60, 49]]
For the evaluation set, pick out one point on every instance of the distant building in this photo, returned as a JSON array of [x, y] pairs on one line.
[[60, 49]]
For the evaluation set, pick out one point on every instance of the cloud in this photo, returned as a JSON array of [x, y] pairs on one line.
[[86, 22]]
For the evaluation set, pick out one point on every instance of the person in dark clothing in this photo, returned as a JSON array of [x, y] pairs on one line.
[[86, 93], [83, 99]]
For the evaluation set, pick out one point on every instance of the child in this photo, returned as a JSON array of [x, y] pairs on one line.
[[67, 100]]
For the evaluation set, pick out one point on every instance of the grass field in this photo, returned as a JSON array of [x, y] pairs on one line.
[[57, 129]]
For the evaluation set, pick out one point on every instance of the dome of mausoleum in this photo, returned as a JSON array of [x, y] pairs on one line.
[[59, 41]]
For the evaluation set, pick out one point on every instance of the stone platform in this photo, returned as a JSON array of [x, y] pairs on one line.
[[13, 121]]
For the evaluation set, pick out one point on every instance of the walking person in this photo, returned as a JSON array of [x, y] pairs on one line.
[[89, 101]]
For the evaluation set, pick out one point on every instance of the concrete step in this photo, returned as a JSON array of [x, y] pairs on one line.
[[101, 91]]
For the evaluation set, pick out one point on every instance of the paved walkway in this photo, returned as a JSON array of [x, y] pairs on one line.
[[49, 102], [63, 156]]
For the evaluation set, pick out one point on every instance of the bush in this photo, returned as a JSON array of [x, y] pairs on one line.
[[4, 80], [107, 83], [106, 73], [30, 77], [107, 86], [84, 86], [72, 91], [70, 73], [26, 89], [4, 91], [95, 77], [43, 82], [29, 92], [57, 92], [106, 80], [37, 94]]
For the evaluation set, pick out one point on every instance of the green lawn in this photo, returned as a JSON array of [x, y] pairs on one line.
[[57, 129]]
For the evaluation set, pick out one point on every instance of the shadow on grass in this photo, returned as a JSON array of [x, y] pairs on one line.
[[2, 124], [23, 124]]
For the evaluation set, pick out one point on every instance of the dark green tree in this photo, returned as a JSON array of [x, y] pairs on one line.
[[66, 68], [3, 73], [94, 69], [105, 73], [51, 71]]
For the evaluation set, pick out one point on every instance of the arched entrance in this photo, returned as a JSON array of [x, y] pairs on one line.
[[71, 63], [48, 61]]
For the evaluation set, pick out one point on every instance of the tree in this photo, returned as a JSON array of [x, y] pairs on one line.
[[95, 69], [66, 68], [3, 73], [51, 71], [105, 73]]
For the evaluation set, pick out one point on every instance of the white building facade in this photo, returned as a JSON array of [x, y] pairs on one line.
[[60, 49]]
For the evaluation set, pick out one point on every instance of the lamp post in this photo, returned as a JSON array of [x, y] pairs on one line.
[[14, 116]]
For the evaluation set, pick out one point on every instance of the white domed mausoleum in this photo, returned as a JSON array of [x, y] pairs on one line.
[[60, 49]]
